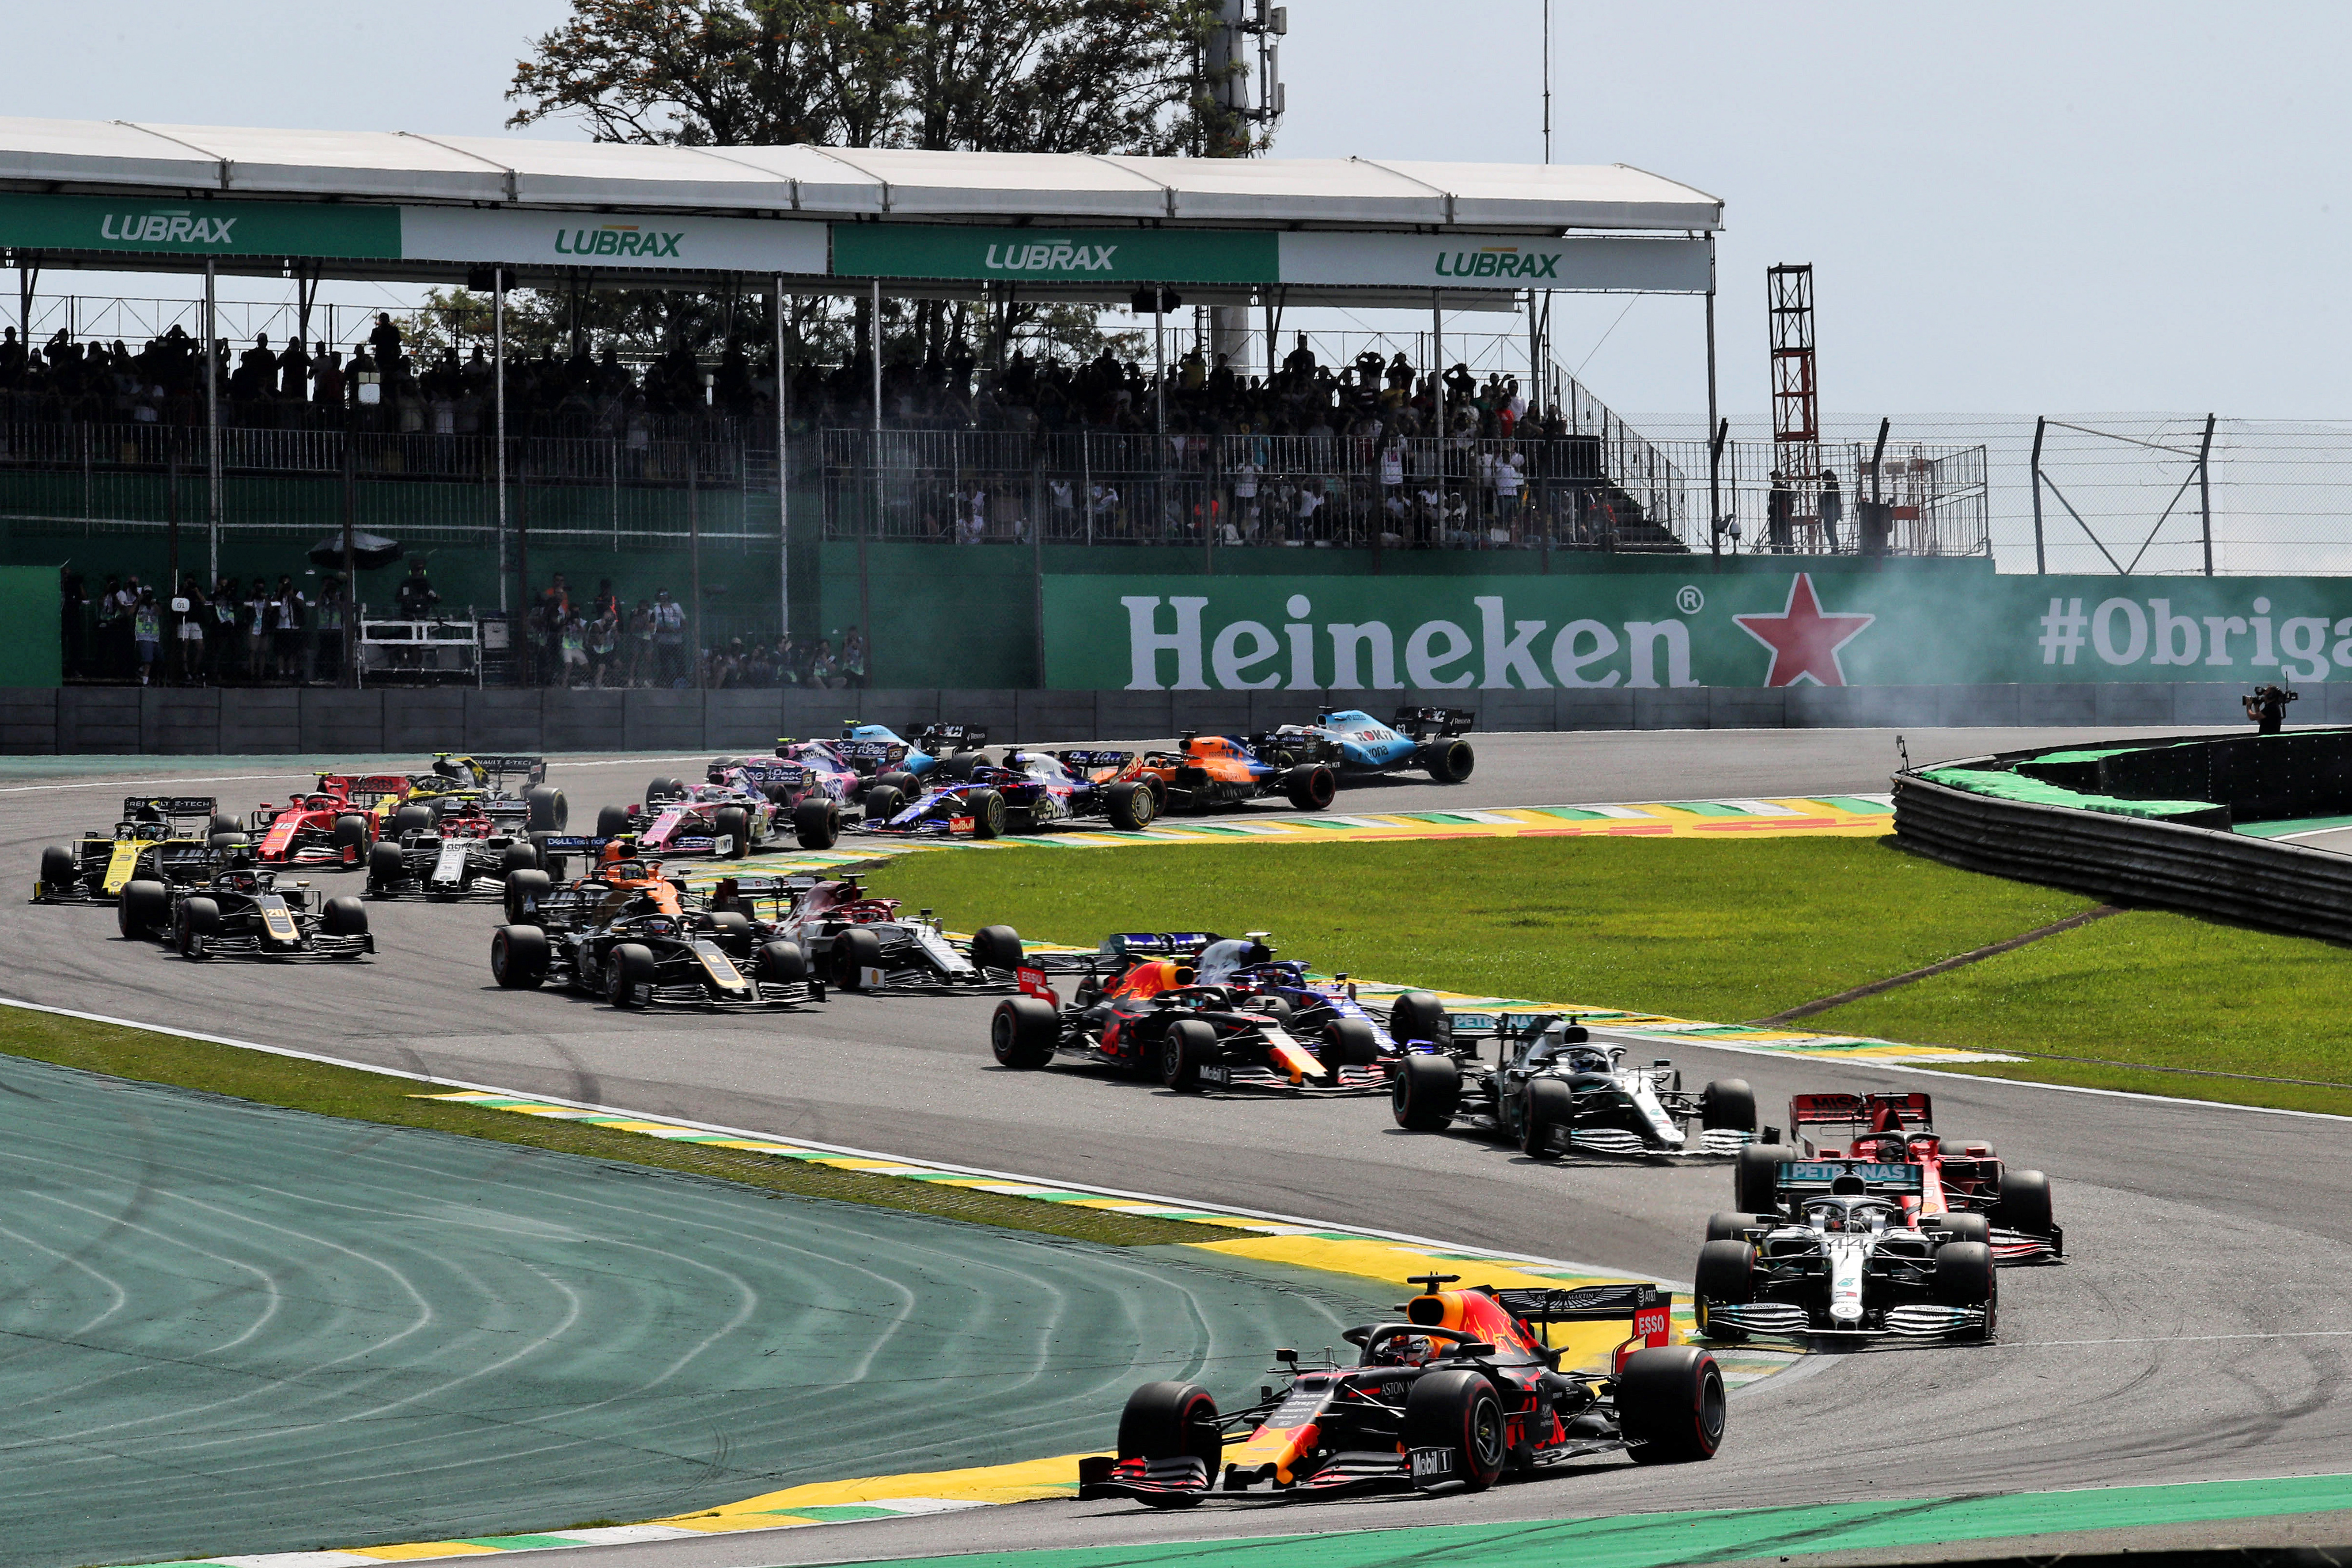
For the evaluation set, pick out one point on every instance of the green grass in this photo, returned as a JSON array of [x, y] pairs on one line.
[[361, 1096], [1700, 930]]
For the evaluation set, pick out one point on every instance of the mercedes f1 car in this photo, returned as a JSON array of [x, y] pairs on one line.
[[860, 942], [1026, 792], [1845, 1253], [1360, 747], [1552, 1091], [1464, 1388], [242, 911], [729, 818], [1957, 1177], [160, 839]]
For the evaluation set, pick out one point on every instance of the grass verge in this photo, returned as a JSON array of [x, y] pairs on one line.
[[359, 1096], [1701, 929]]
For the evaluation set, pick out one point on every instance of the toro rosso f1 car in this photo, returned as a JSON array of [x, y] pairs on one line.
[[160, 839], [1957, 1177], [860, 942], [1554, 1091], [1461, 1389], [241, 911], [1845, 1253], [1360, 747]]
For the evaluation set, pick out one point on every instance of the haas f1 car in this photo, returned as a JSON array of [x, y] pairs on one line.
[[1957, 1177], [161, 839], [1360, 747], [1462, 1389], [859, 943], [241, 911], [1553, 1090], [1844, 1253]]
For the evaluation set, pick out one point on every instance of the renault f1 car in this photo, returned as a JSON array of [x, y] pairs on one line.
[[463, 853], [1195, 1010], [513, 790], [1026, 792], [1845, 1253], [241, 911], [1957, 1177], [859, 943], [1215, 773], [1461, 1389], [1552, 1091], [729, 818], [1360, 747], [160, 839]]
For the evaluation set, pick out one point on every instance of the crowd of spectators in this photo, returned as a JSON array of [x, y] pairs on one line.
[[234, 633], [600, 640]]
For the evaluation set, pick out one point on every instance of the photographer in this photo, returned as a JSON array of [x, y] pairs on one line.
[[2266, 706]]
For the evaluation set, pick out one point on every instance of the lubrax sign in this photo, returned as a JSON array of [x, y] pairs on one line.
[[198, 227]]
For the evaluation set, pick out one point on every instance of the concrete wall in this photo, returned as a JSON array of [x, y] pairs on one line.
[[126, 720]]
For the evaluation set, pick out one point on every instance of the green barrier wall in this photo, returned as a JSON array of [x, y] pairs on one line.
[[31, 653]]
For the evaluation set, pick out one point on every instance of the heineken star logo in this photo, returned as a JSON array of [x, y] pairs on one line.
[[1804, 639]]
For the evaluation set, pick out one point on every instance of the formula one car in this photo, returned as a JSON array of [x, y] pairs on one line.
[[1466, 1387], [324, 826], [1360, 747], [535, 806], [729, 817], [1027, 791], [1553, 1090], [1213, 773], [1845, 1253], [860, 942], [462, 853], [1194, 1009], [638, 939], [951, 751], [241, 911], [818, 787], [160, 839], [1957, 1178]]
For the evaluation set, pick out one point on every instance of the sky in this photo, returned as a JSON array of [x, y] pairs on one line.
[[2011, 209]]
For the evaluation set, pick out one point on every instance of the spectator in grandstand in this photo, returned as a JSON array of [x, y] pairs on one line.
[[288, 618], [191, 635], [253, 620], [1780, 508], [229, 607], [603, 641], [823, 671], [417, 597], [571, 640], [384, 341], [12, 360], [669, 640], [853, 657], [641, 645], [327, 383], [146, 632], [294, 374], [1832, 507], [328, 633]]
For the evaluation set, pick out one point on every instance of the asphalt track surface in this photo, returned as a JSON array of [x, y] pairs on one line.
[[2200, 1331]]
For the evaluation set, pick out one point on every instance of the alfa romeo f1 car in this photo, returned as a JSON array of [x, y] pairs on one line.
[[1845, 1253], [1026, 792], [1360, 747], [1553, 1090], [1195, 1010], [242, 911], [637, 939], [1957, 1178], [1464, 1387], [160, 839], [860, 942], [464, 852], [729, 818]]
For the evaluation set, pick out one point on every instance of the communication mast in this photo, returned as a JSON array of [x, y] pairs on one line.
[[1248, 94], [1796, 407]]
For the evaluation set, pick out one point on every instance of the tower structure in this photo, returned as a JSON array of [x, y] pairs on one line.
[[1242, 64], [1796, 406]]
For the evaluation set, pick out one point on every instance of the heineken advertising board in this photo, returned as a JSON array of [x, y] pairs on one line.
[[1827, 626]]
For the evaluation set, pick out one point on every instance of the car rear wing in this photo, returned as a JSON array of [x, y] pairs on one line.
[[1088, 762], [169, 807], [875, 755], [366, 789], [531, 770], [1510, 1027], [954, 737], [1156, 944], [1646, 1309], [1425, 723], [1800, 1178], [760, 775], [1859, 1114]]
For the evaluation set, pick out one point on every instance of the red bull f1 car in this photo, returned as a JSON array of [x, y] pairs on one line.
[[160, 839], [859, 943], [1958, 1177], [242, 911], [1845, 1253], [1462, 1389]]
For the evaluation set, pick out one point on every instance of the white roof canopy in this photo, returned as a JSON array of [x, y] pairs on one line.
[[106, 156]]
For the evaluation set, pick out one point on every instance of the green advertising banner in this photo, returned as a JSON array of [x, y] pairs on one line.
[[198, 227], [1836, 626], [1057, 256]]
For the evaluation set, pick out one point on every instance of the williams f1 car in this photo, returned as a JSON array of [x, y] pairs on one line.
[[1360, 747], [161, 839], [242, 911], [1026, 792], [1957, 1177], [1845, 1253], [860, 942], [1462, 1389], [1552, 1091]]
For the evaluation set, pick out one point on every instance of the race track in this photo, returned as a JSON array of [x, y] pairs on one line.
[[2200, 1331]]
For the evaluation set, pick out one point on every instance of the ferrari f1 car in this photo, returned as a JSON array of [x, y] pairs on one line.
[[324, 826], [1194, 1009], [859, 943], [161, 839], [729, 818], [1552, 1091], [1360, 747], [1845, 1253], [242, 911], [637, 939], [1026, 792], [1957, 1177], [1462, 1389]]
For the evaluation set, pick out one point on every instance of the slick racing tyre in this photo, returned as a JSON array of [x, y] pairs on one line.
[[987, 808], [1311, 786], [1728, 1103], [1671, 1404], [1449, 762], [1425, 1092], [1131, 805], [519, 957], [996, 947], [612, 821], [1024, 1032], [350, 837], [816, 824], [525, 890], [1965, 1277], [1725, 1277], [223, 822], [518, 857], [1348, 1043], [196, 919], [1419, 1017], [228, 840], [854, 951], [904, 783], [144, 908], [1730, 1224], [1172, 1421], [410, 819], [60, 870], [1755, 1179], [1544, 1118], [1458, 1410], [733, 930], [545, 809], [2024, 1203], [782, 962], [883, 802], [628, 974], [662, 789], [956, 768], [1965, 1228], [1187, 1044], [387, 867], [732, 824], [343, 916]]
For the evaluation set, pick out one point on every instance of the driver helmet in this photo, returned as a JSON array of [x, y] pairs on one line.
[[446, 766], [1408, 1349]]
